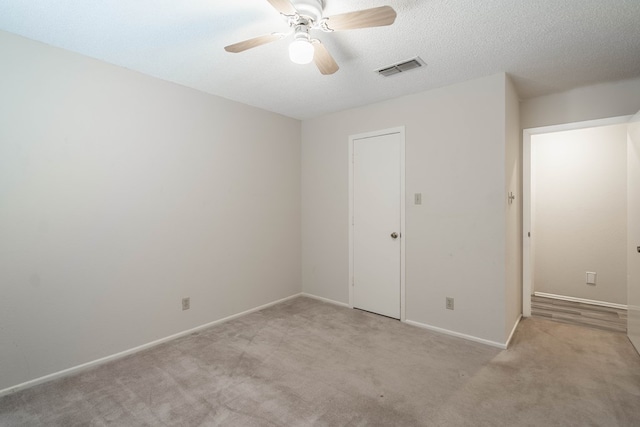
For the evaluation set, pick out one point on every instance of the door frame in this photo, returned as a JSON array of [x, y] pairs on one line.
[[527, 239], [396, 130]]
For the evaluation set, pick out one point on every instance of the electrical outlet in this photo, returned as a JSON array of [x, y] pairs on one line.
[[591, 278], [449, 303], [186, 303]]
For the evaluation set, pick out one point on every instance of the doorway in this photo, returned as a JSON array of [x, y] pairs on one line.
[[377, 222], [529, 207]]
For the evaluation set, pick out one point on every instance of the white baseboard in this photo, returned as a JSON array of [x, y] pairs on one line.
[[456, 334], [425, 326], [582, 300], [93, 363], [330, 301], [513, 331]]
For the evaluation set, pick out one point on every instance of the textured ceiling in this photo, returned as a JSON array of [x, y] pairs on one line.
[[545, 45]]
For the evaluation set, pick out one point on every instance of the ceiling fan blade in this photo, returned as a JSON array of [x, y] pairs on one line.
[[283, 6], [254, 42], [323, 59], [375, 17]]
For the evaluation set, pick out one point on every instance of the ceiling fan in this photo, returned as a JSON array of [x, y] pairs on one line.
[[305, 15]]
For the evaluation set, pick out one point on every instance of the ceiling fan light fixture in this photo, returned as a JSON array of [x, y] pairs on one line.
[[301, 51]]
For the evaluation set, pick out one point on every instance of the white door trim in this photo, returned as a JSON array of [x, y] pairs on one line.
[[526, 194], [401, 131]]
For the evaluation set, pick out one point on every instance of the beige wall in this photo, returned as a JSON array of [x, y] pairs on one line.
[[633, 241], [455, 240], [581, 212], [513, 175], [119, 195], [613, 99]]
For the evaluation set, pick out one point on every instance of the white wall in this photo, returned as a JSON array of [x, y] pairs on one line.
[[119, 195], [513, 175], [455, 240], [613, 99], [633, 257], [581, 212]]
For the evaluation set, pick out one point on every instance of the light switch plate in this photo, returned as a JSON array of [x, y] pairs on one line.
[[417, 198]]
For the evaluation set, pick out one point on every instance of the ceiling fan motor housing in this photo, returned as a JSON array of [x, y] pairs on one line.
[[309, 8]]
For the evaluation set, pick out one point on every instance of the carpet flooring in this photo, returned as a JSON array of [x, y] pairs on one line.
[[309, 363], [591, 316]]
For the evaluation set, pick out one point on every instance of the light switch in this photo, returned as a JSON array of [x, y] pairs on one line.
[[417, 199], [591, 278]]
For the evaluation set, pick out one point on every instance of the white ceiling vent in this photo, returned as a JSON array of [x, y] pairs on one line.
[[400, 67]]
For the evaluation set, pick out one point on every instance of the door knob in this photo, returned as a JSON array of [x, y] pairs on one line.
[[394, 235]]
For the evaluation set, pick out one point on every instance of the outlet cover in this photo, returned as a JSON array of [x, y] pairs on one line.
[[186, 303], [591, 278], [449, 303]]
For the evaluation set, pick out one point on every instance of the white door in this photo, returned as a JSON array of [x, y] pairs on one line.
[[376, 223]]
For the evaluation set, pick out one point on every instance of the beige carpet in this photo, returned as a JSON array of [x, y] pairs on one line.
[[305, 362]]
